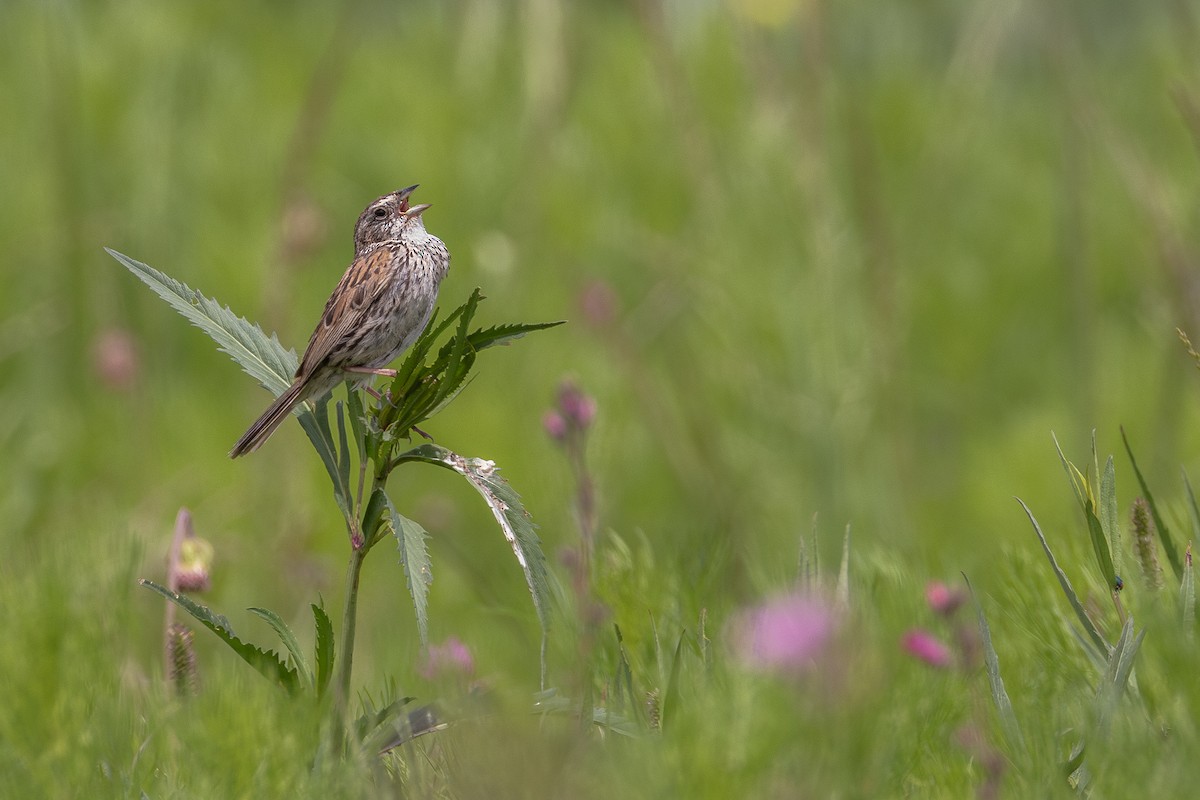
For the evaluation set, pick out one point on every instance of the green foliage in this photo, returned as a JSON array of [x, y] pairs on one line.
[[1114, 662], [991, 660], [324, 651], [1099, 510], [262, 357], [414, 556], [863, 282], [419, 391], [1094, 635], [268, 664], [509, 513], [1164, 532]]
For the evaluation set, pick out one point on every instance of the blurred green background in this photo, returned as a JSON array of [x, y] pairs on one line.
[[824, 264]]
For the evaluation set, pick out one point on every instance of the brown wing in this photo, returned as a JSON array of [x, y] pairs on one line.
[[363, 283]]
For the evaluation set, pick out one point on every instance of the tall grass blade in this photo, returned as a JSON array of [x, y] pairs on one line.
[[1164, 534], [1187, 595], [1109, 521], [1102, 647], [991, 660]]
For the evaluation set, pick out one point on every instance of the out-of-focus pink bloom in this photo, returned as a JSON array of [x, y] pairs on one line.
[[115, 358], [450, 657], [598, 302], [577, 408], [943, 599], [554, 425], [927, 647], [789, 633]]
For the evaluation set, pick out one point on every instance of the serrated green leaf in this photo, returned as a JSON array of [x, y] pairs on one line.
[[1164, 534], [409, 369], [262, 357], [324, 652], [289, 641], [991, 660], [458, 346], [501, 335], [268, 664], [418, 569], [451, 390], [509, 513], [1102, 647]]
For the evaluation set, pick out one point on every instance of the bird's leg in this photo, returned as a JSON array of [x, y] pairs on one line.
[[387, 373]]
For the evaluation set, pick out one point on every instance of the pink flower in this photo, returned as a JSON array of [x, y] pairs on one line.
[[554, 425], [928, 648], [942, 599], [577, 408], [115, 358], [450, 657], [785, 634], [599, 304]]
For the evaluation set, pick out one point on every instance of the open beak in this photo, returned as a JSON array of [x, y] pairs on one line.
[[403, 195], [417, 211]]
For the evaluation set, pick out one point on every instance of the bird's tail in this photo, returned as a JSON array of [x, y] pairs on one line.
[[271, 419]]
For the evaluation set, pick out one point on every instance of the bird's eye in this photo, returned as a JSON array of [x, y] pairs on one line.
[[380, 212]]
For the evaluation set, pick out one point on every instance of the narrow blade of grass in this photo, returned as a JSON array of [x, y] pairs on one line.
[[991, 660], [1102, 647], [1187, 595], [1109, 522], [1164, 533]]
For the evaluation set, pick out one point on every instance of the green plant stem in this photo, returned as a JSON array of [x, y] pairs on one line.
[[349, 622]]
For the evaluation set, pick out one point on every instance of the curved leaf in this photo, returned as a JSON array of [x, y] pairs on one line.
[[324, 648], [410, 538], [509, 513], [268, 664], [261, 356], [289, 641]]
